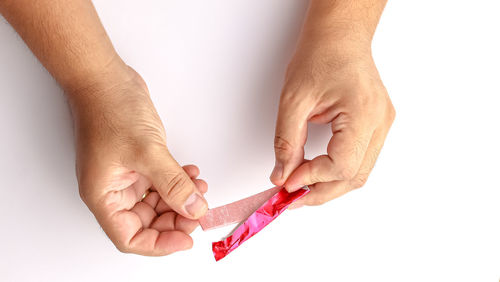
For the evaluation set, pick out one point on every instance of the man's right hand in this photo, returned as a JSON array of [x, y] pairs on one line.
[[121, 156]]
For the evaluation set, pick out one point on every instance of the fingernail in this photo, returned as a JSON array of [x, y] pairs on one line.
[[195, 205], [277, 173], [293, 188]]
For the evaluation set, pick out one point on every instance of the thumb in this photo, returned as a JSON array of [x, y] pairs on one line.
[[289, 140], [173, 184]]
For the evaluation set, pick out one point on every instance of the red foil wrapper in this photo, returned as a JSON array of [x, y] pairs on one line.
[[257, 221]]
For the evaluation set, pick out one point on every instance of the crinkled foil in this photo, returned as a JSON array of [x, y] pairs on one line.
[[257, 221]]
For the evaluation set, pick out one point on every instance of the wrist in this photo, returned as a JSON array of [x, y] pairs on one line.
[[100, 82], [105, 91], [342, 38], [342, 26], [92, 78], [331, 50]]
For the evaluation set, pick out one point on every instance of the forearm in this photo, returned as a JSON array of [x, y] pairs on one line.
[[348, 21], [67, 37]]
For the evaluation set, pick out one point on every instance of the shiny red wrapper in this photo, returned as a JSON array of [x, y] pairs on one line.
[[257, 221]]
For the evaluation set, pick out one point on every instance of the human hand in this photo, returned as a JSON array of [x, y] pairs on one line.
[[121, 147], [121, 156], [331, 80]]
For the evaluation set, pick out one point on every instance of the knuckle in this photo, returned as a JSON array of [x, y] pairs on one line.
[[146, 154], [83, 195], [315, 174], [317, 201], [391, 113], [122, 247], [297, 96], [294, 87], [363, 99], [288, 98], [282, 146], [149, 151], [320, 172], [288, 93], [347, 173], [372, 157], [359, 180], [175, 184], [358, 148], [87, 191], [84, 182]]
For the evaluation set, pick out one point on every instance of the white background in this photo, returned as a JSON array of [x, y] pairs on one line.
[[430, 210]]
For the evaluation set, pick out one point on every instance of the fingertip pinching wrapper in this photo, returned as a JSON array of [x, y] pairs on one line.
[[263, 209]]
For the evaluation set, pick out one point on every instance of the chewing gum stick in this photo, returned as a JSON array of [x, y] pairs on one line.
[[235, 212]]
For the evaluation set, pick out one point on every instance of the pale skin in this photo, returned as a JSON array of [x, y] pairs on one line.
[[121, 142]]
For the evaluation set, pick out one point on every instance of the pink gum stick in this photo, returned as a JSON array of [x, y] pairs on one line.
[[235, 212]]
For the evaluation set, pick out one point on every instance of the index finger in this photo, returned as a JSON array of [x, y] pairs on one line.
[[346, 150]]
